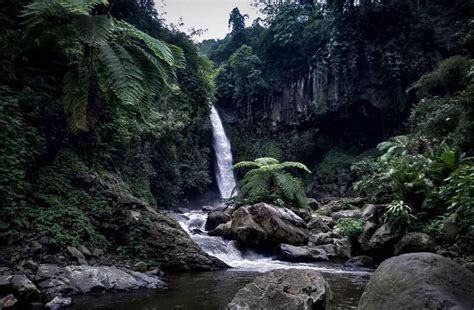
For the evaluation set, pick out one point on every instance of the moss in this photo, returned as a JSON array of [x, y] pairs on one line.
[[334, 160]]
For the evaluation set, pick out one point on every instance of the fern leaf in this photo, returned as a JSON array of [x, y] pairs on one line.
[[246, 165], [94, 30]]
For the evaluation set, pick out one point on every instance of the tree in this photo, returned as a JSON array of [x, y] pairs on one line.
[[248, 80], [269, 181], [114, 59], [237, 21]]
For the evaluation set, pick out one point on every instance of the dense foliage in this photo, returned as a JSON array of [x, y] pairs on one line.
[[427, 174], [148, 130]]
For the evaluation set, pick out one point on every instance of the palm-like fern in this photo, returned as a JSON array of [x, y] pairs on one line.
[[116, 59], [268, 180]]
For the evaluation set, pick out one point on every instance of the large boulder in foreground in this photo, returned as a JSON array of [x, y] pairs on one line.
[[419, 281], [283, 289], [265, 225]]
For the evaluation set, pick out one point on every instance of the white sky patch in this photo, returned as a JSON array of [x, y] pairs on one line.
[[210, 15]]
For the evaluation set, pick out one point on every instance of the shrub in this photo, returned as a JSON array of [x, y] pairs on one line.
[[399, 216], [450, 77], [350, 228], [459, 194], [268, 181], [335, 160]]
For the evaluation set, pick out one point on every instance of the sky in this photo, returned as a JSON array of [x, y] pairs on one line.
[[212, 15]]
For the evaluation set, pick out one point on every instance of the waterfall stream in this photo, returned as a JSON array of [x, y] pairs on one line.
[[224, 173], [193, 222]]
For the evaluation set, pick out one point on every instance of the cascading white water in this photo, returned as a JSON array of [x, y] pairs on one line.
[[227, 251], [224, 173]]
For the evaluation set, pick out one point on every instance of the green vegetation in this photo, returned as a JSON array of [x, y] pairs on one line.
[[100, 91], [426, 176], [268, 181], [350, 228]]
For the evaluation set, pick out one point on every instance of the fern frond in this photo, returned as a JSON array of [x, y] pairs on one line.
[[172, 55], [124, 76], [246, 165], [266, 161], [294, 165], [77, 92], [93, 31], [40, 11]]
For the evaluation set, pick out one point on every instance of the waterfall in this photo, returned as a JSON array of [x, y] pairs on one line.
[[224, 173]]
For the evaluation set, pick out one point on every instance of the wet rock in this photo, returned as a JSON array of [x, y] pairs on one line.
[[304, 214], [343, 248], [49, 259], [140, 267], [97, 252], [415, 242], [301, 253], [31, 265], [216, 218], [419, 281], [183, 210], [364, 238], [318, 225], [75, 253], [24, 289], [59, 302], [313, 204], [8, 301], [360, 261], [56, 281], [383, 236], [84, 250], [328, 250], [469, 266], [266, 225], [352, 214], [326, 211], [168, 244], [373, 213], [283, 289], [321, 238]]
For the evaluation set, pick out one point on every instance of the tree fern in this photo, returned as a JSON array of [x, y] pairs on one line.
[[132, 65], [268, 181]]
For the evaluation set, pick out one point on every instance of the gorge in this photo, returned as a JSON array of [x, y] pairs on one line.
[[317, 157]]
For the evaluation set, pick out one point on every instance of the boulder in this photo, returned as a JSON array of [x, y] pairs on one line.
[[24, 289], [419, 281], [304, 214], [343, 248], [59, 302], [140, 267], [84, 250], [216, 218], [382, 237], [415, 242], [265, 225], [56, 281], [352, 214], [321, 238], [360, 261], [469, 266], [318, 225], [326, 211], [301, 253], [364, 238], [373, 213], [283, 289], [75, 253], [328, 250]]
